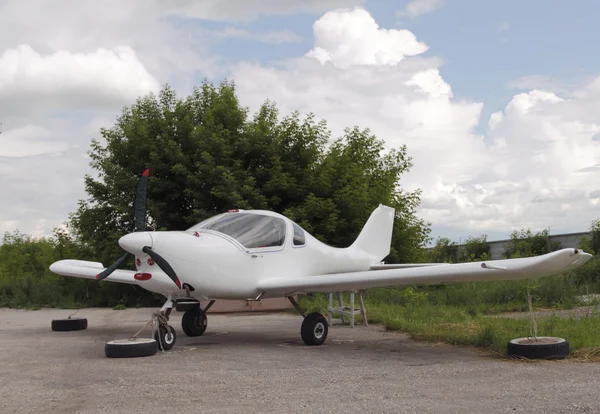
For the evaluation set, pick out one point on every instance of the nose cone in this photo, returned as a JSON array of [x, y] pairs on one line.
[[135, 242]]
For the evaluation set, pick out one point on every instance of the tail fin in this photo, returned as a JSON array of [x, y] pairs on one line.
[[376, 236]]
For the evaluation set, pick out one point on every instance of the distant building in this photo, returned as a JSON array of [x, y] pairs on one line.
[[566, 240]]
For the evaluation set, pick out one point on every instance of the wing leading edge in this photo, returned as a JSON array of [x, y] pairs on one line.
[[88, 270], [505, 269]]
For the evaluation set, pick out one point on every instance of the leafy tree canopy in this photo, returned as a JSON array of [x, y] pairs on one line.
[[207, 155], [525, 243]]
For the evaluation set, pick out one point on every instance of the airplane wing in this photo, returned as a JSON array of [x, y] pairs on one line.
[[505, 269], [403, 265], [89, 270]]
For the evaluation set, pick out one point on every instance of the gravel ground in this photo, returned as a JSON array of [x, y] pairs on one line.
[[257, 363]]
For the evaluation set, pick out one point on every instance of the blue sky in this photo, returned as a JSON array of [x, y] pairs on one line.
[[484, 44]]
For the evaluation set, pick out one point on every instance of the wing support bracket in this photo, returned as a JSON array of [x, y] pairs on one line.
[[486, 266], [257, 298]]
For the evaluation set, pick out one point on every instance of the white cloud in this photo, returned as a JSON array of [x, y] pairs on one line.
[[352, 37], [29, 140], [40, 190], [75, 80], [245, 10], [523, 172], [273, 37], [418, 7], [162, 47]]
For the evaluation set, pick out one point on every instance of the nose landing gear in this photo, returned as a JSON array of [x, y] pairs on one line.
[[165, 334], [164, 337]]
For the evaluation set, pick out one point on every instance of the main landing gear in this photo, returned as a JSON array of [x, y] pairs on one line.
[[194, 320], [314, 327]]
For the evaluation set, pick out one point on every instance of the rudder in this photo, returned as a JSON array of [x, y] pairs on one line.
[[375, 238]]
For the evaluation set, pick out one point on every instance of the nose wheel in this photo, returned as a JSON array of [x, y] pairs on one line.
[[164, 334], [165, 337]]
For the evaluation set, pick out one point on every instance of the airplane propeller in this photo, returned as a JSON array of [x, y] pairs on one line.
[[163, 264], [139, 225]]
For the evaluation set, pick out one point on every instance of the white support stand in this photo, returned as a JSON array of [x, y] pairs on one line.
[[347, 310]]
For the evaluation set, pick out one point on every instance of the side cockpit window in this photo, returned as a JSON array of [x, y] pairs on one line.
[[251, 230], [299, 238]]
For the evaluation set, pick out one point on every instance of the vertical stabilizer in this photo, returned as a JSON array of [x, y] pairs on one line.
[[376, 236]]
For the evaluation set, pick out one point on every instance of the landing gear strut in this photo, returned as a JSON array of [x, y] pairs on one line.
[[165, 334], [194, 321], [314, 327]]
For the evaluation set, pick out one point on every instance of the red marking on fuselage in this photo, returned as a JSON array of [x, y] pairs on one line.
[[142, 276]]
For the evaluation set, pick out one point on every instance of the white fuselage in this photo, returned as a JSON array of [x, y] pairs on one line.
[[216, 266]]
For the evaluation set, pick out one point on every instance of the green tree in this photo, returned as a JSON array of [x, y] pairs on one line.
[[589, 273], [26, 281], [444, 251], [591, 243], [207, 156], [525, 243], [475, 249]]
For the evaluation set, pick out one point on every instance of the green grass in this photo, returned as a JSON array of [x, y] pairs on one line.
[[467, 314]]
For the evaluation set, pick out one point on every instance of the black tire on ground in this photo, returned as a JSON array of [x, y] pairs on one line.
[[542, 347], [125, 348], [194, 322], [167, 338], [314, 329], [73, 324]]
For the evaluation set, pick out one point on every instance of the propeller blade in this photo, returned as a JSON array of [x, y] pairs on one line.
[[140, 202], [104, 274], [163, 264], [140, 223]]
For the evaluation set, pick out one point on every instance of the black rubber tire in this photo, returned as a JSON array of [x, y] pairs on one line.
[[73, 324], [125, 348], [166, 341], [314, 329], [548, 347], [194, 322], [184, 306]]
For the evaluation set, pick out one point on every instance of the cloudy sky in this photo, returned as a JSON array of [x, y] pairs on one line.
[[497, 102]]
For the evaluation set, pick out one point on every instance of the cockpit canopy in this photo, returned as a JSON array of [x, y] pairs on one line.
[[249, 229]]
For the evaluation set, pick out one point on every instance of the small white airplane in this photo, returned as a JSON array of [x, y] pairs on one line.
[[258, 254]]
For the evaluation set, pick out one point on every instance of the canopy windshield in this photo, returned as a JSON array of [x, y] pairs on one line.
[[251, 230]]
